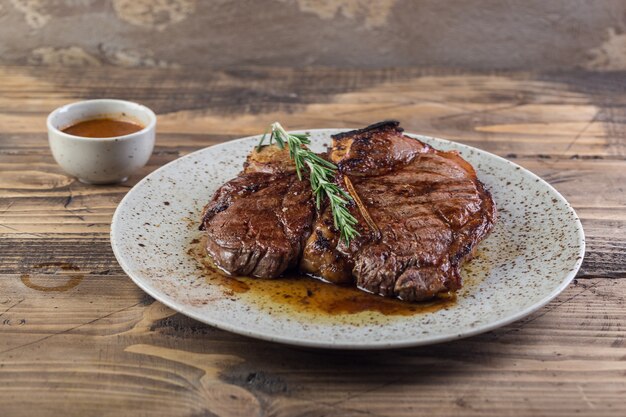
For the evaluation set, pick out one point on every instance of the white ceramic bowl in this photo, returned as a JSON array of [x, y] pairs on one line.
[[101, 160]]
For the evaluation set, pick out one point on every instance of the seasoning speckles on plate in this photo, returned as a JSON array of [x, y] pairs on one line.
[[532, 254]]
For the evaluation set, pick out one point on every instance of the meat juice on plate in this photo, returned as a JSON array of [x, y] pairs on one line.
[[302, 293]]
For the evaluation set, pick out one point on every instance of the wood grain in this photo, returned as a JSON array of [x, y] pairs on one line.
[[103, 347]]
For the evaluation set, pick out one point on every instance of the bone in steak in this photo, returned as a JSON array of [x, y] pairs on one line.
[[257, 223], [421, 213]]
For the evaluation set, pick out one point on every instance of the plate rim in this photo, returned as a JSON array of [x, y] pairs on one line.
[[375, 345]]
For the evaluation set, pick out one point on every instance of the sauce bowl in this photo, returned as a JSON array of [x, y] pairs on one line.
[[101, 160]]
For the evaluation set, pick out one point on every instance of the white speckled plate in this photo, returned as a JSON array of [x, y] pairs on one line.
[[532, 254]]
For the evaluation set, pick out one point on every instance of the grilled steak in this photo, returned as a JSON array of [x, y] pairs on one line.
[[421, 212], [257, 223]]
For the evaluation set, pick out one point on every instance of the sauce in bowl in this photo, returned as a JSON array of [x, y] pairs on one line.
[[103, 128]]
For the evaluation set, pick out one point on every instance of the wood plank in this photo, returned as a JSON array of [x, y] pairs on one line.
[[496, 112], [79, 338], [136, 352]]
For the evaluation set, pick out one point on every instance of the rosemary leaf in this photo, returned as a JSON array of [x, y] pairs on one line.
[[321, 176]]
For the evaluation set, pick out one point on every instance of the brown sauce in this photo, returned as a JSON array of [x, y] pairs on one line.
[[301, 293], [313, 295], [102, 128]]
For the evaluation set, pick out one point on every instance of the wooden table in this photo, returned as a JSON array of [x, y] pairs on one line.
[[104, 347]]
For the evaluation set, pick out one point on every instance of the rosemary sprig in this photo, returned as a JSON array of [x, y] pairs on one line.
[[321, 175]]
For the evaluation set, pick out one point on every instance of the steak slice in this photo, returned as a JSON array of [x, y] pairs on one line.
[[257, 223], [421, 213]]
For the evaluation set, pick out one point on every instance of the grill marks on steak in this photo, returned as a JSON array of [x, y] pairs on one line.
[[428, 205], [431, 213], [428, 208], [258, 222]]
